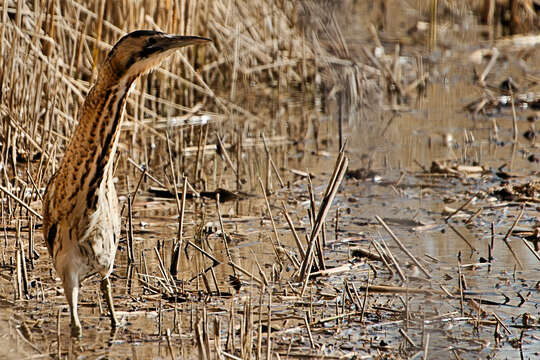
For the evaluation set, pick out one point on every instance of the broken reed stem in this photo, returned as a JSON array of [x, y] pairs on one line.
[[147, 286], [514, 117], [271, 161], [402, 247], [34, 185], [239, 144], [394, 261], [489, 66], [318, 247], [136, 190], [217, 337], [505, 239], [462, 237], [433, 25], [230, 356], [131, 251], [364, 303], [492, 242], [169, 344], [179, 237], [222, 151], [199, 157], [204, 271], [24, 271], [245, 272], [19, 270], [356, 296], [31, 247], [312, 206], [129, 278], [406, 337], [200, 341], [206, 333], [144, 170], [531, 248], [216, 262], [460, 284], [213, 273], [268, 175], [293, 230], [340, 117], [331, 190], [269, 326], [259, 325], [473, 216], [163, 272], [334, 318], [351, 295], [22, 203], [261, 272], [278, 242], [174, 271], [426, 347], [382, 257], [501, 323], [461, 207], [223, 233], [311, 342]]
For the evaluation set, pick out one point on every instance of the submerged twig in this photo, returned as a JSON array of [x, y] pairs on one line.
[[505, 239], [462, 237], [402, 247]]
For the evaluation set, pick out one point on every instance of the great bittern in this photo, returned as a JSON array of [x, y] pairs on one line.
[[81, 222]]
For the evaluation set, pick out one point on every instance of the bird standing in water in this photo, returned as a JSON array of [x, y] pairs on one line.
[[81, 222]]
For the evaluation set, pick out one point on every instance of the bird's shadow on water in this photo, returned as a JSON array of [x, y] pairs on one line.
[[78, 346]]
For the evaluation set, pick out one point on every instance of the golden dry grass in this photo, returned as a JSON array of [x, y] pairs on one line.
[[50, 54]]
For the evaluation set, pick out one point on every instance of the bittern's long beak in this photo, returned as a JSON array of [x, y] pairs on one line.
[[169, 42]]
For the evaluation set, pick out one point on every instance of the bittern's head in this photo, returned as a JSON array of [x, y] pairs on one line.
[[141, 51]]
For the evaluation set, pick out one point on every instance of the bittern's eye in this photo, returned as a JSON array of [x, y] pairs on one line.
[[151, 41]]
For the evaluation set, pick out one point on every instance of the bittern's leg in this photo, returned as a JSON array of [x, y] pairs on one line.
[[107, 293], [71, 289]]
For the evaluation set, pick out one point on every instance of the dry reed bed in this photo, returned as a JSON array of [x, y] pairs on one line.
[[262, 54], [49, 58]]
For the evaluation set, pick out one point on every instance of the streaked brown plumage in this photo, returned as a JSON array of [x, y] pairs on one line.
[[81, 223]]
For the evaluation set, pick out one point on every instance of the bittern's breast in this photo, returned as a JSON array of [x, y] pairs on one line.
[[100, 230], [84, 241]]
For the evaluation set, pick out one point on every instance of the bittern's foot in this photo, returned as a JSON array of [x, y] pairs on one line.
[[76, 330]]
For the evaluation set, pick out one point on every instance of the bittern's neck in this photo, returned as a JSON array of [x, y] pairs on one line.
[[88, 161]]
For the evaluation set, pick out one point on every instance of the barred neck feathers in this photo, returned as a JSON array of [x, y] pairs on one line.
[[89, 156]]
